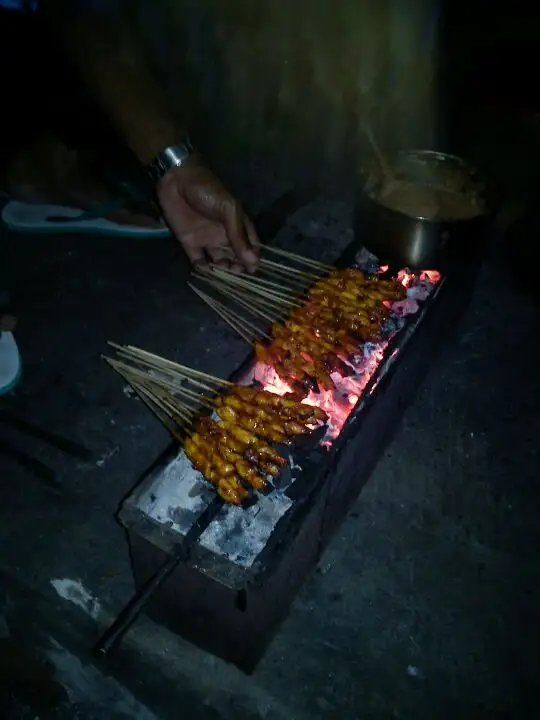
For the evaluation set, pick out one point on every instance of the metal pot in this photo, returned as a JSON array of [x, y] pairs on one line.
[[420, 242]]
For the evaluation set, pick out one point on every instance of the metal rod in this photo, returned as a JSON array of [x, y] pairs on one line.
[[133, 609]]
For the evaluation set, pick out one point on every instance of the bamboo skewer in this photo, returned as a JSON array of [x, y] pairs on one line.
[[138, 389], [256, 306], [155, 381], [190, 394], [261, 296], [152, 404], [127, 355], [293, 282], [283, 298], [239, 318], [269, 264], [269, 283], [231, 312], [174, 374], [253, 285], [180, 369], [178, 409], [182, 420], [310, 277], [299, 258], [229, 318], [214, 303]]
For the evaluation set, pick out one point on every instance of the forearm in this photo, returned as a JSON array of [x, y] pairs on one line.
[[112, 63]]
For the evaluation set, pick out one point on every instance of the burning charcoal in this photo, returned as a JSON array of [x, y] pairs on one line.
[[311, 384], [343, 369], [332, 363], [391, 325], [300, 390], [297, 397]]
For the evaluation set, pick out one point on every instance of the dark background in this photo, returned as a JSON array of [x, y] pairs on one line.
[[426, 603]]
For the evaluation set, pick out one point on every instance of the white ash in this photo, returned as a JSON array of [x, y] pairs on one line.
[[243, 534], [179, 494], [293, 465], [420, 291]]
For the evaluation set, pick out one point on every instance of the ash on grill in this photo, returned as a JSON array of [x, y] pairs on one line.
[[175, 495]]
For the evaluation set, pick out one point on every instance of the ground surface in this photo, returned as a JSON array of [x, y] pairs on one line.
[[425, 604]]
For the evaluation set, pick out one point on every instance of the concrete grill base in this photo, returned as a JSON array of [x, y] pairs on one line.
[[235, 618]]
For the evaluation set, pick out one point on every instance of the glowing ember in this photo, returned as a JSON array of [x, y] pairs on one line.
[[340, 402]]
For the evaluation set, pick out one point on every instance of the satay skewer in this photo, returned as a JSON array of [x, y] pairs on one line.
[[243, 327], [175, 374], [299, 283], [272, 266], [173, 413], [212, 302], [284, 274], [287, 270], [153, 405], [179, 409], [287, 298], [255, 305], [272, 286], [300, 259], [164, 363], [145, 376]]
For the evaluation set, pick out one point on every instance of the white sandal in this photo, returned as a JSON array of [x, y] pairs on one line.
[[10, 362]]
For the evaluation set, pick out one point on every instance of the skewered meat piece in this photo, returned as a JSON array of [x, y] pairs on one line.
[[234, 451], [227, 462], [278, 431], [258, 448], [271, 432], [246, 471], [207, 462], [285, 406], [240, 440], [228, 487], [317, 352], [246, 407], [208, 427], [291, 328], [299, 369], [229, 492], [270, 469], [304, 416]]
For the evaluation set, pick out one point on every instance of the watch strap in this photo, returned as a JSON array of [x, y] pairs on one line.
[[171, 157]]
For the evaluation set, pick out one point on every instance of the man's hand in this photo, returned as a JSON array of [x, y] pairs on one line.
[[206, 218]]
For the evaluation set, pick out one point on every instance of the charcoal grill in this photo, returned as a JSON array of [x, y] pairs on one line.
[[237, 586]]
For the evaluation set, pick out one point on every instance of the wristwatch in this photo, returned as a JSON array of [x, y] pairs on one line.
[[171, 157]]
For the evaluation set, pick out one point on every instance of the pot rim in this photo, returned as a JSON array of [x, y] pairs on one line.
[[472, 170]]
